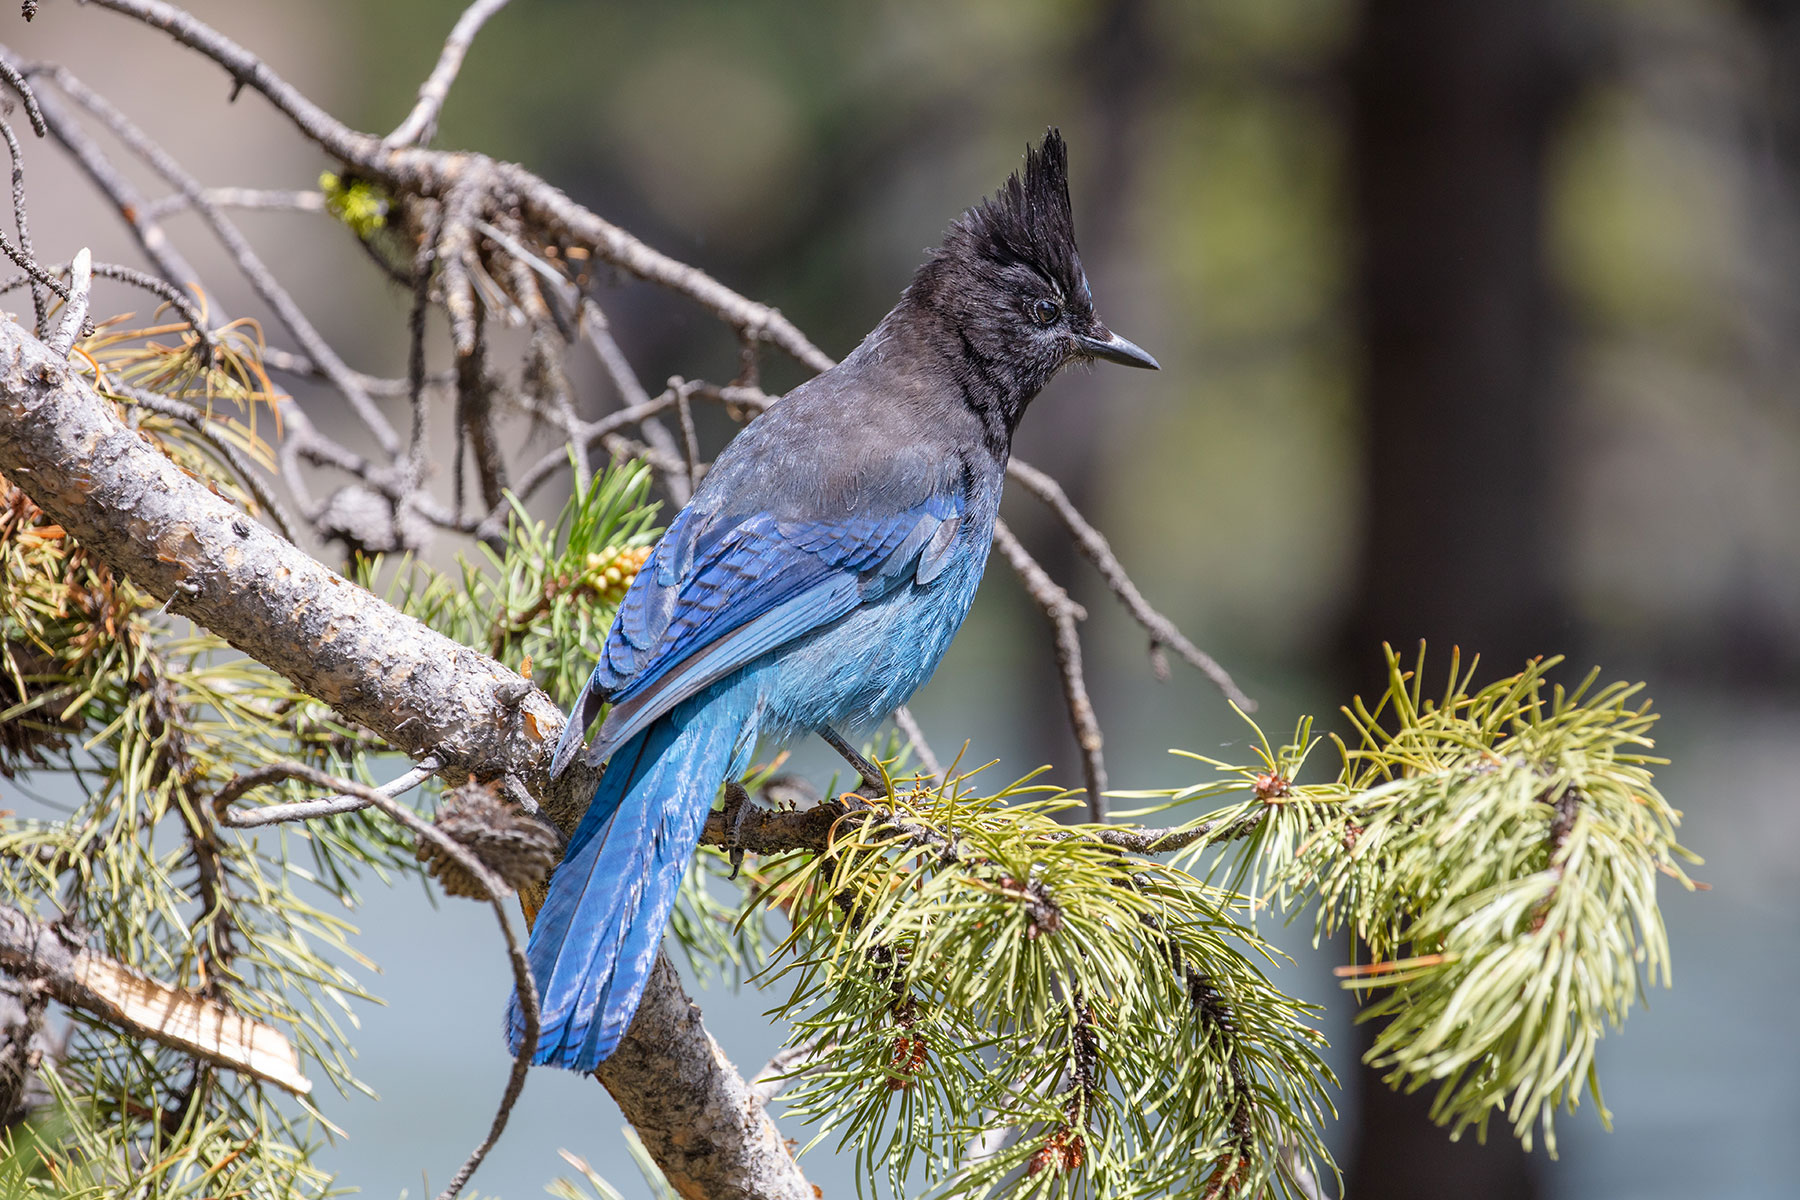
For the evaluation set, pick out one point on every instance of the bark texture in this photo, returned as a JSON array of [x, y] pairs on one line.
[[697, 1116]]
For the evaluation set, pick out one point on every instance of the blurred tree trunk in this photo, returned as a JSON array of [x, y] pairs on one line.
[[1119, 63], [1453, 104]]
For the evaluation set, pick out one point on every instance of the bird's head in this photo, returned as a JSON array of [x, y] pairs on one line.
[[1008, 283]]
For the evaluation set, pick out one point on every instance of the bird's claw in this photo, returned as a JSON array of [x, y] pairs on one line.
[[737, 810]]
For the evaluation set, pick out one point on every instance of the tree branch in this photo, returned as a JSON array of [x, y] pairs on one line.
[[1093, 544], [145, 1007], [779, 831], [1064, 613], [433, 174], [421, 122], [425, 694]]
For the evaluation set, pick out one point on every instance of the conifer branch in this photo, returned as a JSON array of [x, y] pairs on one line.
[[1497, 850], [415, 688]]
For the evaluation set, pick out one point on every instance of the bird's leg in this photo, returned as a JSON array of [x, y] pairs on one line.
[[871, 774], [737, 810]]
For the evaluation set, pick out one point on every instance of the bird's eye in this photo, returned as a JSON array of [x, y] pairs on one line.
[[1045, 312]]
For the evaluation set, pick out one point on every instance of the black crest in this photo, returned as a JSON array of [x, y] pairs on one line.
[[1028, 220]]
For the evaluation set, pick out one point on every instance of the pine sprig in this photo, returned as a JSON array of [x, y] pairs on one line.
[[543, 601], [1015, 1007], [1497, 851]]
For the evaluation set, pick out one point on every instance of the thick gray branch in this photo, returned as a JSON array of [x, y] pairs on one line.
[[127, 502], [130, 505]]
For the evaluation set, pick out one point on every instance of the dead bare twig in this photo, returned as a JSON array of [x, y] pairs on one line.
[[421, 122], [309, 810], [1063, 613], [1093, 544], [21, 218], [254, 270], [496, 889]]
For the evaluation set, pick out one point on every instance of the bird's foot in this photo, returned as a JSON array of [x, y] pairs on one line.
[[737, 810]]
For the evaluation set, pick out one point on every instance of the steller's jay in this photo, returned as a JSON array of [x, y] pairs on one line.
[[811, 584]]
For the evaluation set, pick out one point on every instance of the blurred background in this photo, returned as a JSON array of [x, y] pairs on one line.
[[1480, 322]]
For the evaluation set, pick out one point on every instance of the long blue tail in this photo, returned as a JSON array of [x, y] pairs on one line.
[[596, 937]]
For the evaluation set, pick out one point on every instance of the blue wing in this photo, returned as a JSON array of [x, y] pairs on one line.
[[719, 592]]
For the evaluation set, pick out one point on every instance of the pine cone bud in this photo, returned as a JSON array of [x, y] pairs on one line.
[[513, 844]]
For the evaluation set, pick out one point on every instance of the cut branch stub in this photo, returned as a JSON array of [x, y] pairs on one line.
[[145, 1007]]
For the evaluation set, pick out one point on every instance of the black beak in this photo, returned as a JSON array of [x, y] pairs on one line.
[[1113, 348]]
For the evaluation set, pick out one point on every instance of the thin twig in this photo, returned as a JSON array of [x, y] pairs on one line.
[[909, 727], [515, 1080], [1064, 614], [558, 305], [155, 284], [496, 889], [546, 381], [663, 455], [690, 439], [290, 363], [588, 437], [347, 801], [264, 199], [1094, 545], [475, 387], [33, 113], [247, 70], [421, 122], [40, 302], [32, 269], [415, 354], [74, 316], [171, 295], [612, 359]]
